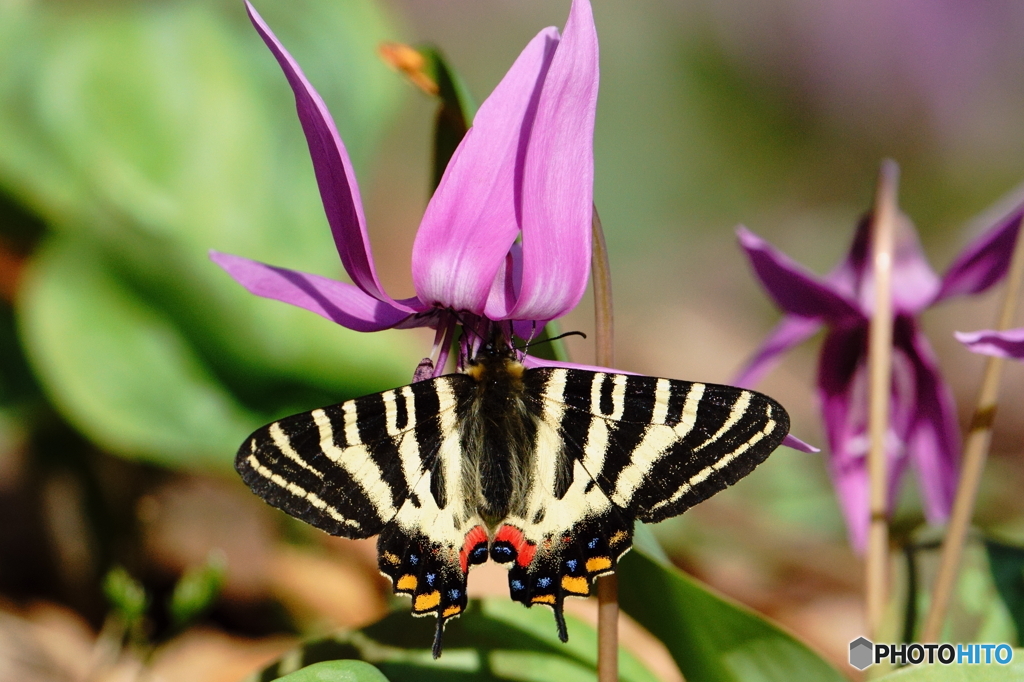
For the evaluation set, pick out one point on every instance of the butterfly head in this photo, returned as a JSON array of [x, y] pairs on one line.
[[496, 359]]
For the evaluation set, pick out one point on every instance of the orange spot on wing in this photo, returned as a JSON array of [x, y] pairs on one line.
[[576, 585], [452, 611], [406, 582], [426, 602], [598, 563], [543, 599]]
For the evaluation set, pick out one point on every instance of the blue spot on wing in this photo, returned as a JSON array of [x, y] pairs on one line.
[[544, 582]]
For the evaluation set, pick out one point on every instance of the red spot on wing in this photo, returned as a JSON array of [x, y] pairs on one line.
[[524, 548], [526, 554], [473, 538]]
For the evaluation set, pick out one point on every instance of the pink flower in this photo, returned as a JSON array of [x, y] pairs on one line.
[[506, 236], [923, 422], [1007, 344]]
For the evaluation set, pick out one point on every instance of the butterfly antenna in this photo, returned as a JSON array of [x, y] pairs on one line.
[[563, 634], [436, 649], [526, 348]]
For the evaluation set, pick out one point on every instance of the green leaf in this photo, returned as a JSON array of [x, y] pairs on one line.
[[712, 638], [978, 611], [960, 673], [1006, 563], [157, 131], [495, 639], [336, 671], [126, 596], [118, 370], [196, 590], [645, 542], [176, 116]]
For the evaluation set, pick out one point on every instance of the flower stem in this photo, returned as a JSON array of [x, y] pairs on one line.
[[979, 437], [604, 322], [607, 586], [883, 227]]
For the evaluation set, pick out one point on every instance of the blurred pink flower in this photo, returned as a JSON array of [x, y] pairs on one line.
[[939, 71], [923, 424], [1007, 344], [525, 169]]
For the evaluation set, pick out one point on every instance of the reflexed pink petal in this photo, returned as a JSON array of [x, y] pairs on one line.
[[471, 221], [791, 441], [903, 408], [790, 331], [794, 289], [339, 302], [557, 191], [985, 261], [933, 441], [1008, 344], [334, 174], [914, 283], [848, 276], [842, 391], [922, 422], [853, 489], [531, 361], [904, 372]]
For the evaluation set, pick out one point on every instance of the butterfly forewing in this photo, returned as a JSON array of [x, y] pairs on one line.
[[349, 468], [658, 446]]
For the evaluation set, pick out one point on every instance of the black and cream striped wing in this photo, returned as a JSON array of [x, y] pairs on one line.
[[348, 468], [612, 448], [656, 447], [387, 464]]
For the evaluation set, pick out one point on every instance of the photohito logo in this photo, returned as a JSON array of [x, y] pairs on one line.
[[864, 652]]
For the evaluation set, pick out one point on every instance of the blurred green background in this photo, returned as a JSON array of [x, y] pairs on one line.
[[135, 136]]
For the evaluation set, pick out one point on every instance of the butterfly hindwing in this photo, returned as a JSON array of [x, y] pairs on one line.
[[569, 531], [388, 463], [436, 535]]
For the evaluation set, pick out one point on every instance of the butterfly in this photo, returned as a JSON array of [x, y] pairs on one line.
[[543, 470]]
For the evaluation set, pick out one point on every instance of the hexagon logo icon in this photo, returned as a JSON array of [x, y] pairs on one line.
[[861, 650]]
